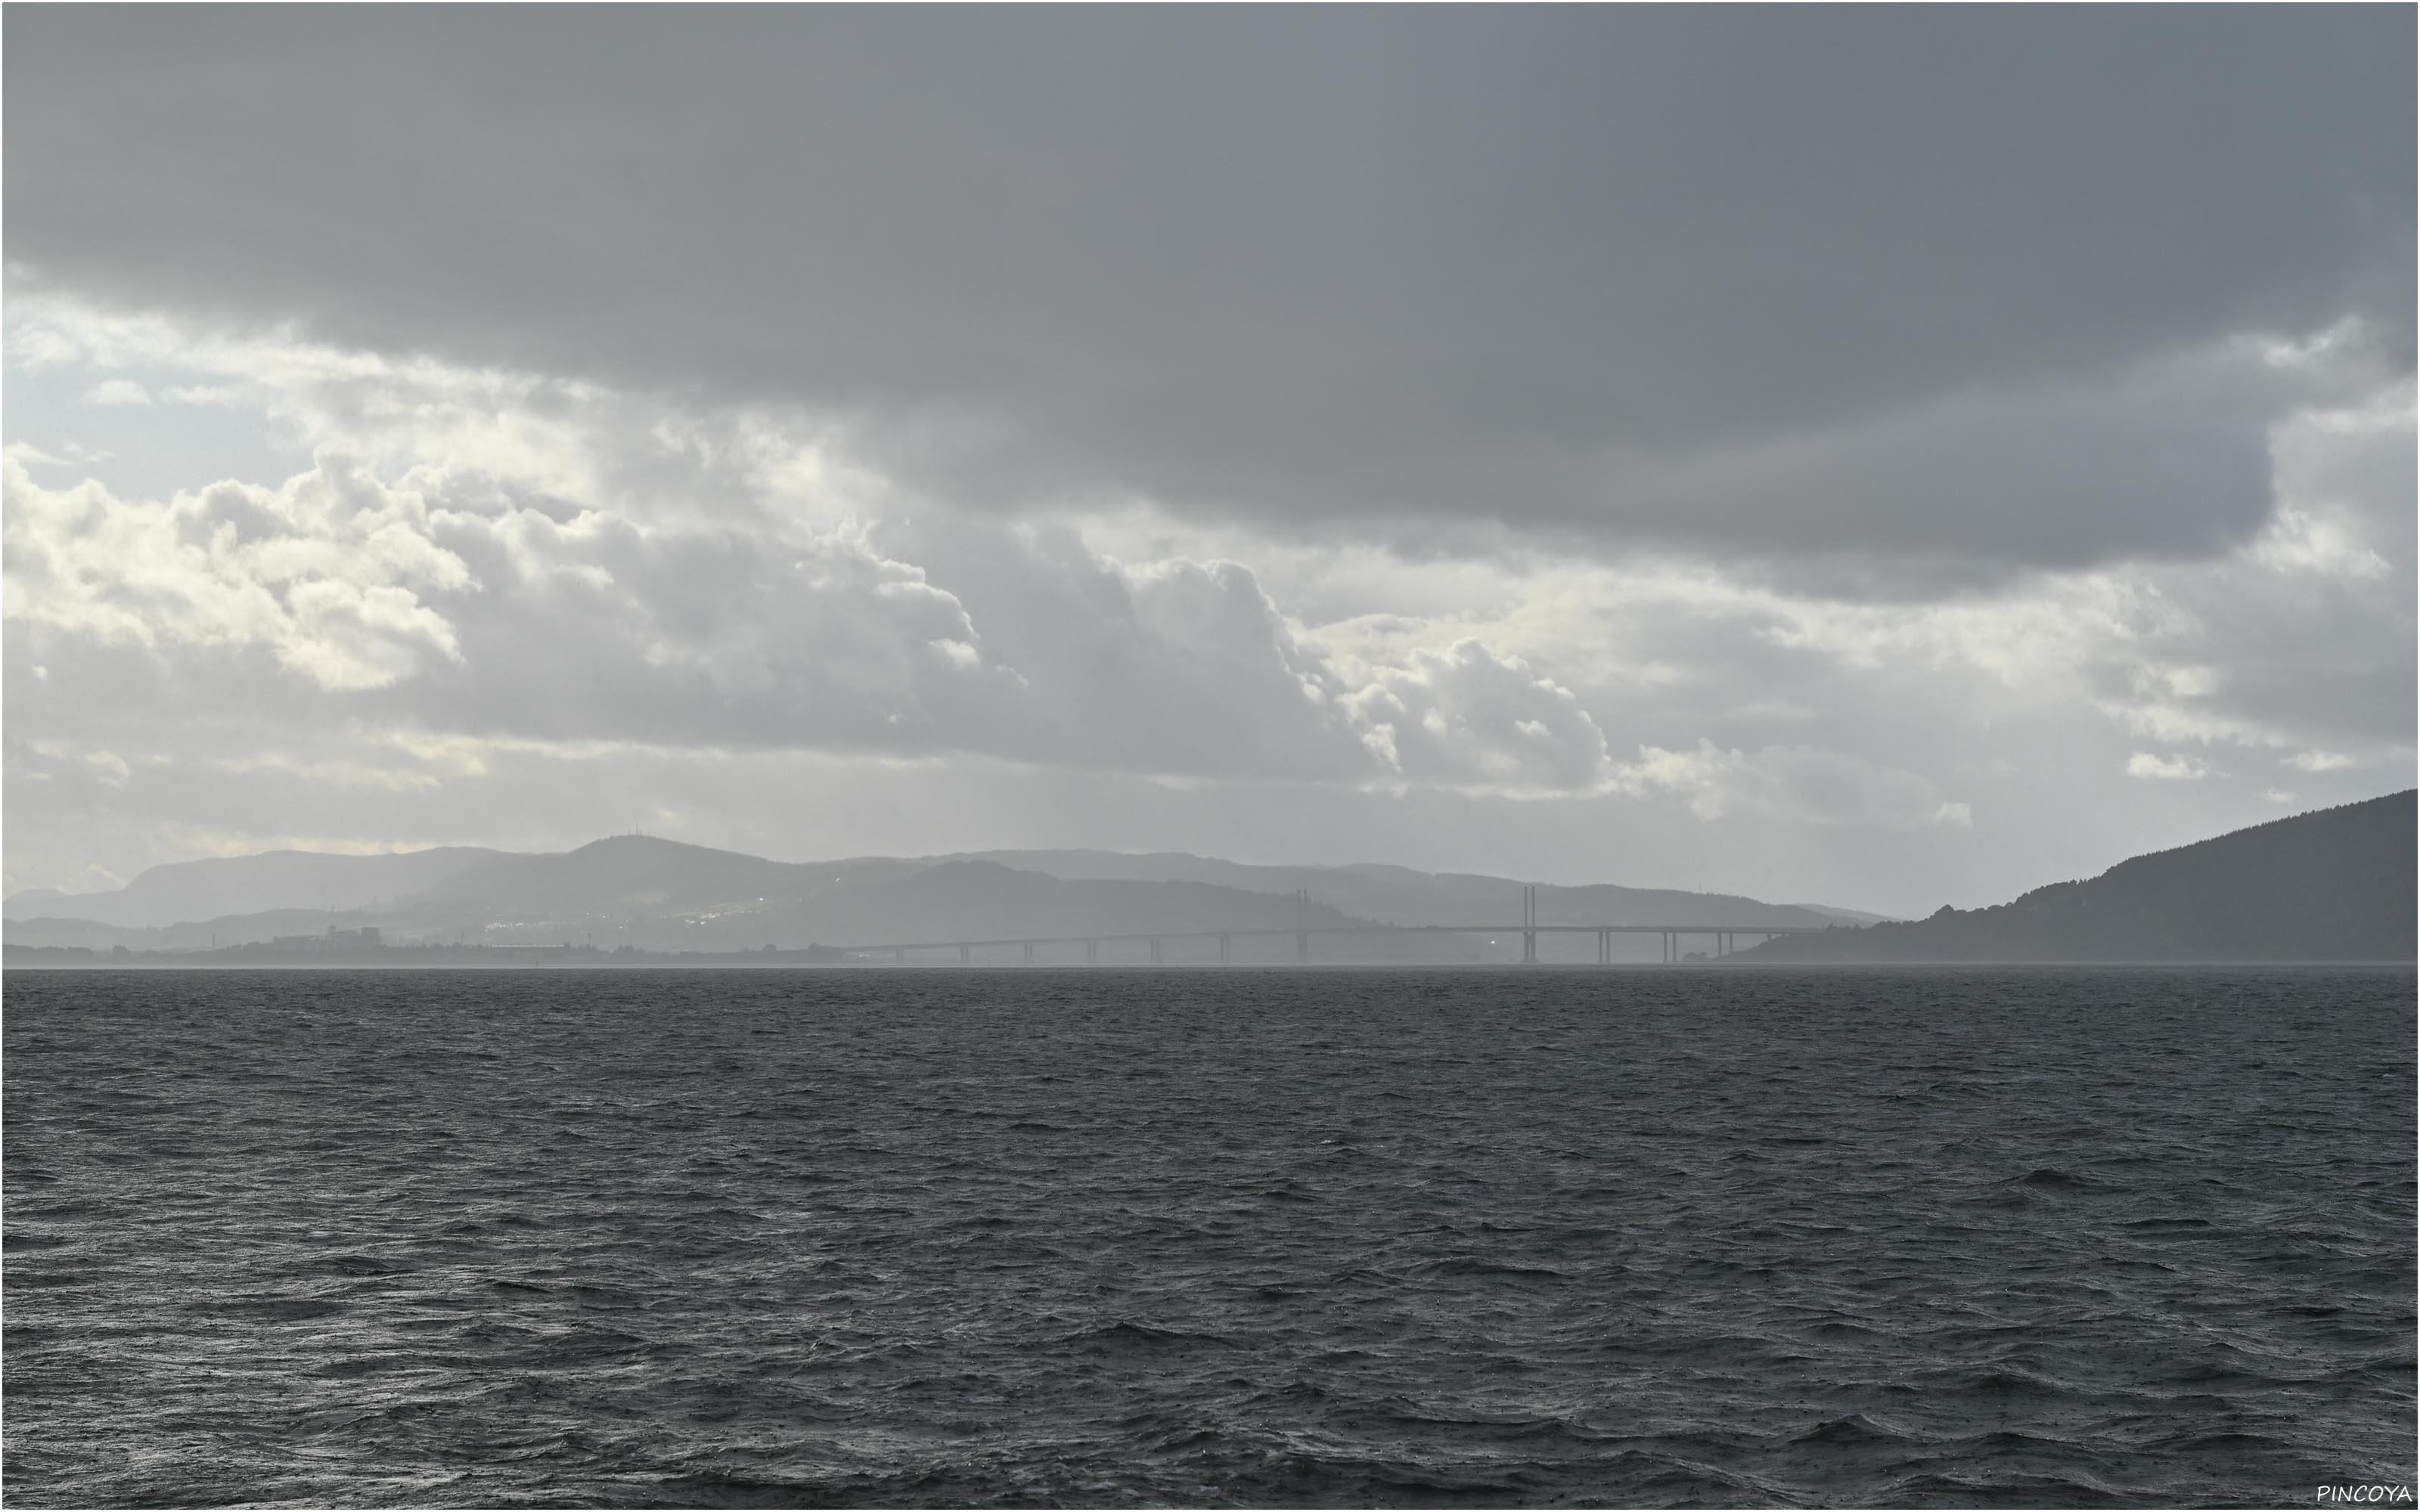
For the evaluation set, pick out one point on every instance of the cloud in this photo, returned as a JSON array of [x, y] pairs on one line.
[[2319, 761], [1794, 783], [31, 351], [677, 605], [2158, 769], [1754, 284], [117, 392], [454, 600], [1463, 715], [323, 573], [103, 766]]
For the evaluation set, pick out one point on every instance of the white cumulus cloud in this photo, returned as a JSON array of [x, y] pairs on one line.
[[117, 392], [2157, 768]]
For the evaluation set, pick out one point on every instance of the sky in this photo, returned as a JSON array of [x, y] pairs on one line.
[[1886, 457]]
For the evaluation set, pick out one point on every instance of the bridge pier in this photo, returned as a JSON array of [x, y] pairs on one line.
[[1302, 948], [1222, 949], [1155, 950], [966, 953], [1091, 952], [1029, 952], [899, 957]]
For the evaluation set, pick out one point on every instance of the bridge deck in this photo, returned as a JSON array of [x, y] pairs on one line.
[[1513, 930]]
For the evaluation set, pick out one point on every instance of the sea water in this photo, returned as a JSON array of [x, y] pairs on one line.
[[1195, 1237]]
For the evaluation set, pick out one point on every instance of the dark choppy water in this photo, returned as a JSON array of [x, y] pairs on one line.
[[1262, 1237]]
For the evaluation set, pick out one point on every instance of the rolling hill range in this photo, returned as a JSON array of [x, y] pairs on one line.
[[1399, 895], [2338, 884], [2335, 885], [187, 891], [659, 895]]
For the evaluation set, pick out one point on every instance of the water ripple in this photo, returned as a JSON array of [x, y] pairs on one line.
[[1253, 1238]]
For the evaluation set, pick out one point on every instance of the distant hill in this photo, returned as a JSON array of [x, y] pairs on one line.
[[2335, 884], [663, 895], [1399, 895], [187, 891], [621, 876], [1847, 916], [200, 935]]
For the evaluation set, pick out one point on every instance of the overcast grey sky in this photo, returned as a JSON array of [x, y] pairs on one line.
[[1880, 456]]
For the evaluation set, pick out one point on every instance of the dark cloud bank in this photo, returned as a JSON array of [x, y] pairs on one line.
[[1948, 286]]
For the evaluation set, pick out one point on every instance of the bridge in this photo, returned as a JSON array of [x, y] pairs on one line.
[[1723, 937]]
